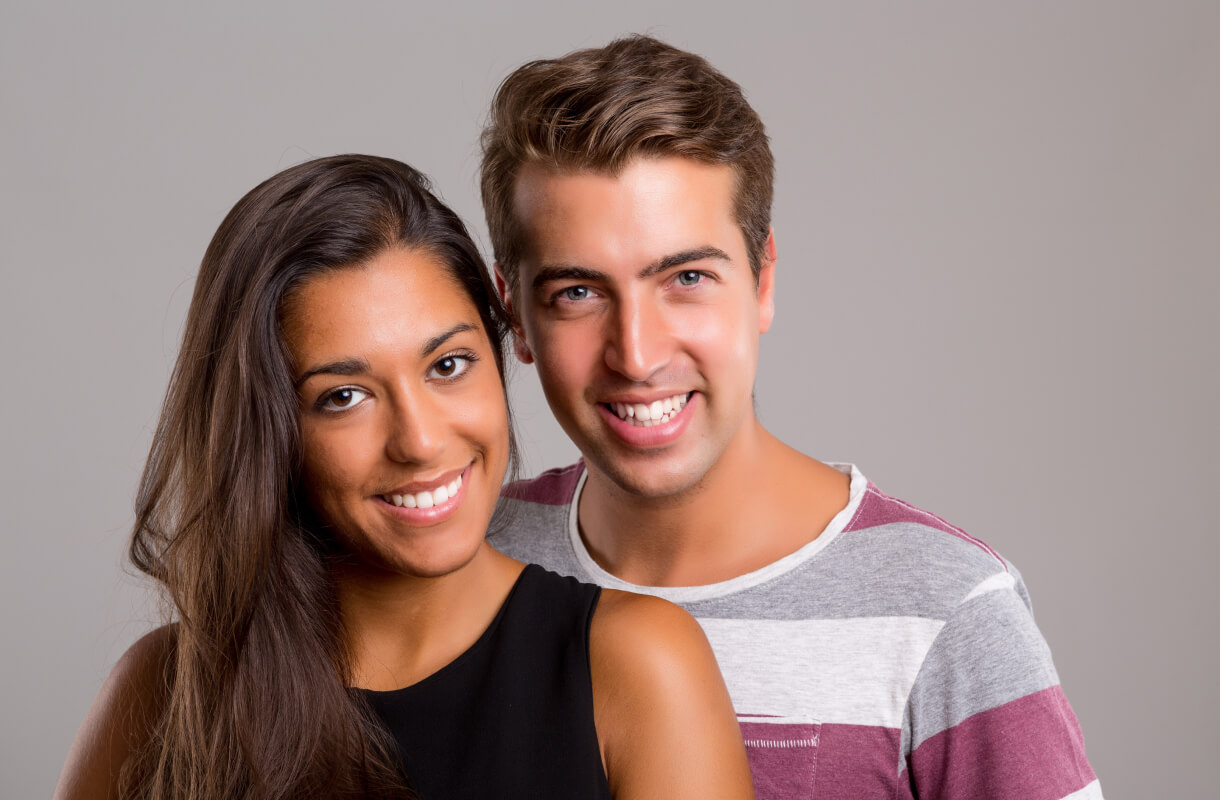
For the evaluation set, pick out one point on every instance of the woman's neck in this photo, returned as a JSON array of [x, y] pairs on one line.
[[402, 628]]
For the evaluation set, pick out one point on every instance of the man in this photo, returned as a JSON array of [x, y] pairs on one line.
[[871, 649]]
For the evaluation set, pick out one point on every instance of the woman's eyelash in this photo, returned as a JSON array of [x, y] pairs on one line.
[[343, 398], [354, 396], [466, 357]]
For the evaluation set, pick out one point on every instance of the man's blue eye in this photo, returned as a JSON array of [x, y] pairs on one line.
[[576, 292], [689, 277]]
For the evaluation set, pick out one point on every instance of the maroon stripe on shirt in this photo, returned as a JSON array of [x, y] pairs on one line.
[[1030, 748], [877, 508], [554, 487], [798, 761], [857, 761], [783, 758]]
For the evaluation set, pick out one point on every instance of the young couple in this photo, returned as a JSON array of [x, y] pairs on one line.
[[333, 444]]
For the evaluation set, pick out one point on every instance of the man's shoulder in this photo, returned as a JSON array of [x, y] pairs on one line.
[[897, 558], [531, 520], [554, 487], [900, 530]]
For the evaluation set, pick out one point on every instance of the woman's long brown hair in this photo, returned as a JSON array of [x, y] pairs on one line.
[[258, 699]]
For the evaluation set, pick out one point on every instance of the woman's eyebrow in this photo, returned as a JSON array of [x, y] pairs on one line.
[[436, 341], [345, 366], [358, 366]]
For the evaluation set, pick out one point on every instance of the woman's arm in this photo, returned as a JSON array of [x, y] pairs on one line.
[[120, 720], [664, 719]]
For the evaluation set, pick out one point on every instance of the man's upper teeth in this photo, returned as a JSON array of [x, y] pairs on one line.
[[649, 414], [427, 499]]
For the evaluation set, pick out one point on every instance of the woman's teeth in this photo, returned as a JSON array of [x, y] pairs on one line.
[[426, 499], [657, 412]]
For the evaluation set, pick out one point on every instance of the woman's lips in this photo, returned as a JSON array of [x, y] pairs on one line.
[[428, 506]]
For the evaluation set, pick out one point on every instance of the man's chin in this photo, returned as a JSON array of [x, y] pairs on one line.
[[646, 480]]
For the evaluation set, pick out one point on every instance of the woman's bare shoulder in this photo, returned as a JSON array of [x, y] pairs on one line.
[[645, 644], [664, 718], [625, 618], [121, 718]]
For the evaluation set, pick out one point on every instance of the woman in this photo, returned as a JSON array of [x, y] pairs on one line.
[[329, 454]]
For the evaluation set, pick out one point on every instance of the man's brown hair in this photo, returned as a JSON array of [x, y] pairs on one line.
[[596, 110]]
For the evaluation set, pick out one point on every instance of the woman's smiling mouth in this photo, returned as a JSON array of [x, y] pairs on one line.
[[420, 502], [425, 498]]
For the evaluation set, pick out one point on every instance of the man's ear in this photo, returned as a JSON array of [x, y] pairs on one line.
[[766, 284], [520, 347]]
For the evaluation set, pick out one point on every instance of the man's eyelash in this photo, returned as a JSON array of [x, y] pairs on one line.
[[560, 294]]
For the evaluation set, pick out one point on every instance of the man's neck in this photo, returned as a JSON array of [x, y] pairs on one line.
[[761, 501]]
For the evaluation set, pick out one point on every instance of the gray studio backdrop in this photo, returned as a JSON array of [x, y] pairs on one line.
[[998, 235]]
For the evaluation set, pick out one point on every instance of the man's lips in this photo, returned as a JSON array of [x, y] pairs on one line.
[[649, 413], [651, 433]]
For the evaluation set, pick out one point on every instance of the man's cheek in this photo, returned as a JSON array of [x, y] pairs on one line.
[[559, 369], [560, 347]]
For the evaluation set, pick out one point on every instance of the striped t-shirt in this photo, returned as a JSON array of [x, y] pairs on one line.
[[894, 656]]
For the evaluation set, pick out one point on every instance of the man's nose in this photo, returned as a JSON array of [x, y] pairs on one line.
[[638, 340]]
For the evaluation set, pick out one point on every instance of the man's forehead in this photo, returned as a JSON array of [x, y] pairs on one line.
[[535, 187], [646, 193], [539, 186], [623, 224]]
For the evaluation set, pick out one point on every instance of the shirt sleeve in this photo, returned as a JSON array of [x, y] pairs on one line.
[[986, 716]]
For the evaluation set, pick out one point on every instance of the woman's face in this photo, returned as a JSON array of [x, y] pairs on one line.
[[403, 419]]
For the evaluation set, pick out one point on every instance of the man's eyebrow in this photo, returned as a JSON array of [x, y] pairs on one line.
[[436, 341], [345, 366], [569, 272], [685, 257], [564, 272]]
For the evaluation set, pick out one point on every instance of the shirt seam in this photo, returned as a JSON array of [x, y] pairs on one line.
[[838, 525]]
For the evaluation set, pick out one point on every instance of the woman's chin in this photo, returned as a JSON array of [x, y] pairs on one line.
[[433, 561]]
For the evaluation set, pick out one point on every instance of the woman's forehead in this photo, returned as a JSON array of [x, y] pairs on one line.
[[398, 300]]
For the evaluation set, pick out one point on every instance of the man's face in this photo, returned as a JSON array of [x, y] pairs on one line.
[[637, 303]]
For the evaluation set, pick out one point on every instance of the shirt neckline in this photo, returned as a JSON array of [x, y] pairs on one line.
[[709, 591], [479, 644]]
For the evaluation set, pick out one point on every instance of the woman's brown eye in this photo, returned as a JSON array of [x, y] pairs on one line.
[[342, 399], [451, 367]]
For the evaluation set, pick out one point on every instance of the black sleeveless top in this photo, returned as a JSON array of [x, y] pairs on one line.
[[513, 715]]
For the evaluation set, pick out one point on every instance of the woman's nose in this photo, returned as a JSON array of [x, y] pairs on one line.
[[417, 429]]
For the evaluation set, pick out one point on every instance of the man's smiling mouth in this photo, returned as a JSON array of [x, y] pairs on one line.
[[646, 415]]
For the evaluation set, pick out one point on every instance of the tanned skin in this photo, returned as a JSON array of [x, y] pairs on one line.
[[399, 392], [633, 288]]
